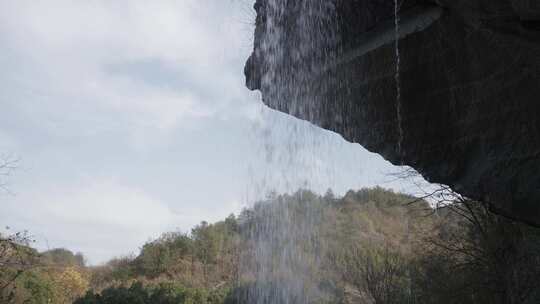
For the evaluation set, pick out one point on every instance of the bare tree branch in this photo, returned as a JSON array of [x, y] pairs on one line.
[[8, 164]]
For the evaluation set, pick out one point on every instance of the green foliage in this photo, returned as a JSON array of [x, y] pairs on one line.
[[370, 246], [476, 254], [207, 246], [164, 293], [39, 289], [29, 277], [380, 272], [155, 258], [63, 257]]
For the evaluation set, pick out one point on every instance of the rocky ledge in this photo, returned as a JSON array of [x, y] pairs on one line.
[[468, 111]]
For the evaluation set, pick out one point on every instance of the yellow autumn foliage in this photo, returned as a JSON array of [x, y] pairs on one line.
[[70, 283]]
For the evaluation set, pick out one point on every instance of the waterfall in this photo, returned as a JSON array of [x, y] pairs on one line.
[[282, 258], [296, 49], [297, 53], [284, 251]]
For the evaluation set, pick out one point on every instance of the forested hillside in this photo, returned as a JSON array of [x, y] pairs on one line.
[[370, 246]]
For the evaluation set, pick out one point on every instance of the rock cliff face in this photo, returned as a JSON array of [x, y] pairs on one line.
[[468, 111]]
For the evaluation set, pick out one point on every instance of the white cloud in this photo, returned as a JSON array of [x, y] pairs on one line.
[[101, 218], [109, 204], [62, 52], [7, 143]]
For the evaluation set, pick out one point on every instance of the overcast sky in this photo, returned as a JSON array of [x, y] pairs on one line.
[[130, 118]]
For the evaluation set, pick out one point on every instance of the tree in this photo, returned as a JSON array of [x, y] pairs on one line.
[[69, 284], [8, 164], [380, 273], [477, 254], [163, 293], [206, 244], [16, 258], [63, 257], [38, 289]]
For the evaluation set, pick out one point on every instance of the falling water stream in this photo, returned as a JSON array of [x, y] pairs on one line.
[[284, 253]]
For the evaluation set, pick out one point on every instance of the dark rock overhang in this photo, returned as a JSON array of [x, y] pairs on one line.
[[470, 86]]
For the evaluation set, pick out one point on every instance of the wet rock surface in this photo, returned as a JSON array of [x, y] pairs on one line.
[[470, 87]]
